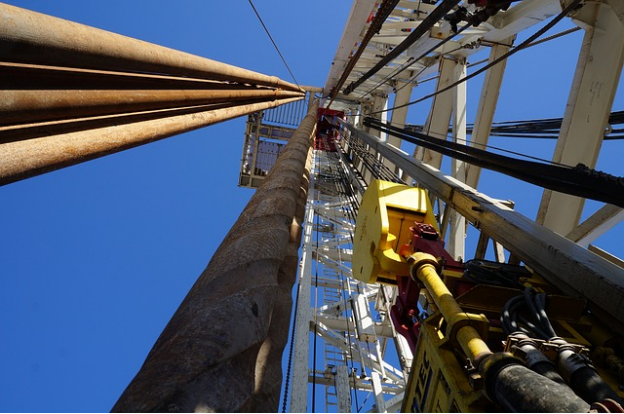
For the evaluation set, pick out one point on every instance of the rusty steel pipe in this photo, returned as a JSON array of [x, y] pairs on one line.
[[39, 129], [31, 76], [214, 353], [26, 158], [18, 106], [30, 37], [268, 373]]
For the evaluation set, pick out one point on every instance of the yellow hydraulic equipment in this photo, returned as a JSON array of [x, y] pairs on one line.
[[387, 211], [482, 340]]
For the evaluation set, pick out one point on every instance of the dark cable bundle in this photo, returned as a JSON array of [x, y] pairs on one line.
[[559, 178], [527, 313], [485, 272]]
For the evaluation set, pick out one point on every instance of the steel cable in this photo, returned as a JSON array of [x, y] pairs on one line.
[[521, 46], [580, 180]]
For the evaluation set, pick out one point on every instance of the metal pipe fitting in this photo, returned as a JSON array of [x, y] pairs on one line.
[[519, 389], [424, 268], [535, 360], [581, 375]]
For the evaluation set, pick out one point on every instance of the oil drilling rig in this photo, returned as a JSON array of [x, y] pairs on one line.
[[359, 226]]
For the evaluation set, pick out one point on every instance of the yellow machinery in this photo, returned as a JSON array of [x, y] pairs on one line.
[[485, 336], [386, 212]]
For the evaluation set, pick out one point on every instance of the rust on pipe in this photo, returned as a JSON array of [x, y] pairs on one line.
[[35, 105], [24, 158], [39, 129], [32, 76], [214, 353], [30, 37], [268, 369]]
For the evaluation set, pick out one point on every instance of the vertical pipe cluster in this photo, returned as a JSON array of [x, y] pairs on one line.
[[222, 349], [70, 93]]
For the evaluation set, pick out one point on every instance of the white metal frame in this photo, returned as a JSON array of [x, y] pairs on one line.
[[340, 311]]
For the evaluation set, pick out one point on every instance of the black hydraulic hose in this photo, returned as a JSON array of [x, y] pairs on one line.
[[436, 15], [536, 360], [508, 315], [581, 375], [536, 325], [519, 389], [541, 306], [534, 329], [528, 299], [591, 387], [497, 274]]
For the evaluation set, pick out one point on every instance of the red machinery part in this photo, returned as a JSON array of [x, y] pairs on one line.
[[326, 133]]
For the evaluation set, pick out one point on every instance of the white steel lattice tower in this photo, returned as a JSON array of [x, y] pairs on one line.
[[344, 353]]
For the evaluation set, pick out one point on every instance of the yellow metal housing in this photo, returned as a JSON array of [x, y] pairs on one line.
[[438, 381], [386, 213]]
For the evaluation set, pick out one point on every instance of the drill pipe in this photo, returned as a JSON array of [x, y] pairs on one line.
[[30, 37], [232, 325], [24, 158], [36, 105]]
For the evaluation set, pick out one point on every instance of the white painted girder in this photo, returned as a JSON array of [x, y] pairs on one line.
[[343, 389], [520, 16], [299, 392], [596, 225], [487, 106], [356, 23], [336, 339], [439, 119], [342, 324], [589, 105], [457, 235], [362, 384]]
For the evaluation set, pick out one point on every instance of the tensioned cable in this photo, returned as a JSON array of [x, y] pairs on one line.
[[273, 41], [537, 42], [412, 61], [488, 146], [344, 194], [428, 22], [521, 46], [316, 294], [579, 181], [343, 191], [549, 128], [377, 169], [291, 351], [435, 144]]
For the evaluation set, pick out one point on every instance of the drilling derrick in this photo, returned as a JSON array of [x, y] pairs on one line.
[[341, 321], [370, 271]]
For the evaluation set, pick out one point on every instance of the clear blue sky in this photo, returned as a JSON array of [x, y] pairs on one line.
[[97, 257]]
